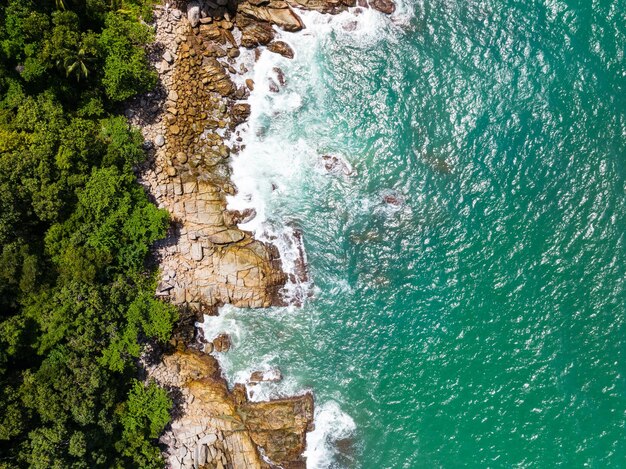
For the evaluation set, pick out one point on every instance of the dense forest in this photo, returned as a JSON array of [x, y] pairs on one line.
[[76, 295]]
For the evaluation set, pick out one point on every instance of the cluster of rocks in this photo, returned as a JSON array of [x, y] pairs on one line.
[[221, 428], [207, 260]]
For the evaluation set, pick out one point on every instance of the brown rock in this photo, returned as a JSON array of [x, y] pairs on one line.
[[384, 6], [280, 14], [235, 217], [282, 48], [253, 32], [236, 432], [240, 113], [323, 6], [181, 157], [222, 343], [250, 84], [227, 236], [271, 376]]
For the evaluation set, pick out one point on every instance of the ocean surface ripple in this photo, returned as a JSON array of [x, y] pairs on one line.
[[468, 276]]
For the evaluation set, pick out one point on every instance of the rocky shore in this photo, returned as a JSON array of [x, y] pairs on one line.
[[207, 261]]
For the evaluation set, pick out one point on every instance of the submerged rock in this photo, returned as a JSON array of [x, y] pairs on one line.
[[270, 376], [335, 164], [280, 76], [393, 198]]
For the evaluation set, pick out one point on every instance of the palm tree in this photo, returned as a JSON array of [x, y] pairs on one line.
[[77, 65]]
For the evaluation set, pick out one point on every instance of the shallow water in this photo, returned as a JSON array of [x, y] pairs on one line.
[[477, 319]]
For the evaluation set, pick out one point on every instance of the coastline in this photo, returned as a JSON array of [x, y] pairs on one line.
[[206, 260]]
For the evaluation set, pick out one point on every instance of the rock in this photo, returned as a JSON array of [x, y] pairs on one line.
[[174, 129], [236, 217], [250, 84], [171, 171], [280, 75], [350, 25], [196, 252], [384, 6], [212, 32], [254, 33], [323, 6], [168, 57], [282, 48], [240, 112], [273, 87], [279, 14], [271, 376], [164, 287], [222, 343], [227, 236], [193, 13], [176, 13], [393, 198], [337, 165], [159, 140]]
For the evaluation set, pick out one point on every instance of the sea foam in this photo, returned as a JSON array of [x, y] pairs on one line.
[[271, 166]]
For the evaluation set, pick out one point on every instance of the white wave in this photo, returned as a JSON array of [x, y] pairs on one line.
[[331, 426], [271, 167]]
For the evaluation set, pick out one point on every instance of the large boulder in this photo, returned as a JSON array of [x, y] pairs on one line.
[[254, 32], [193, 13], [282, 48], [278, 13], [323, 6]]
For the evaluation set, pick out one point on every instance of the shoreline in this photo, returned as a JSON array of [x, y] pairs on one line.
[[206, 260]]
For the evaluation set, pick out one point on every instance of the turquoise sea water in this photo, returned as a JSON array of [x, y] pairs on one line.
[[480, 321]]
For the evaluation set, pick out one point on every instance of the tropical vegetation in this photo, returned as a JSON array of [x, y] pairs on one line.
[[76, 288]]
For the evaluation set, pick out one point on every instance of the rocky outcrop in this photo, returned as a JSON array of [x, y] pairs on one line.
[[277, 12], [323, 6], [254, 33], [207, 260], [221, 429]]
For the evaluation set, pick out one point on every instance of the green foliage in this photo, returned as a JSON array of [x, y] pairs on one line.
[[76, 297], [125, 67], [144, 416]]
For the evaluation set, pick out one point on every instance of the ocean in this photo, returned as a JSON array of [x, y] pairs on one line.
[[457, 171]]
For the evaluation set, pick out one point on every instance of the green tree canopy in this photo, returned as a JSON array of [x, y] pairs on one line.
[[76, 294]]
